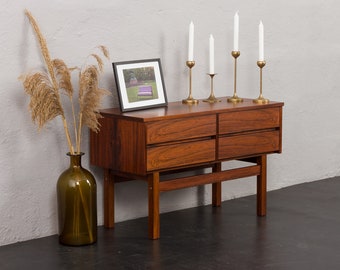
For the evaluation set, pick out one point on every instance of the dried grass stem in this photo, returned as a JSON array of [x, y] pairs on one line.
[[44, 90]]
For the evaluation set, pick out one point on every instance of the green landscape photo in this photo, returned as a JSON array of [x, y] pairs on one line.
[[140, 84]]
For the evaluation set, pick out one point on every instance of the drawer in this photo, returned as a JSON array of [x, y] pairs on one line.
[[234, 122], [180, 155], [180, 129], [249, 144]]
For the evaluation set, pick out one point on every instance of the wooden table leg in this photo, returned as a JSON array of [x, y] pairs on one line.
[[217, 188], [109, 199], [153, 193], [262, 186]]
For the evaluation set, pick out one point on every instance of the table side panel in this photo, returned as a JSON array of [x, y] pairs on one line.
[[102, 149], [130, 147], [280, 151]]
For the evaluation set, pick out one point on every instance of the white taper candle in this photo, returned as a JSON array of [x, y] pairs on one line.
[[236, 31], [261, 42], [191, 42], [211, 55]]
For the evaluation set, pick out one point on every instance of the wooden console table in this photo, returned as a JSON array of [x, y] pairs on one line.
[[149, 143]]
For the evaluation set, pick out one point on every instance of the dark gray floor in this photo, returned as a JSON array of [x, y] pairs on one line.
[[301, 231]]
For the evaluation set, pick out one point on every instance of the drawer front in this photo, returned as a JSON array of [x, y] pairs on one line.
[[249, 144], [178, 155], [249, 120], [180, 129]]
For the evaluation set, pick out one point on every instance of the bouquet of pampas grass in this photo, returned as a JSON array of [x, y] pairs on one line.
[[45, 89]]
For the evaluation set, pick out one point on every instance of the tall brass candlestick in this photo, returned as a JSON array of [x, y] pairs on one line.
[[261, 99], [235, 98], [212, 98], [190, 99]]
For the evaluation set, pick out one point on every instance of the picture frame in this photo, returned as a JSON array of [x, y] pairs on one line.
[[140, 84]]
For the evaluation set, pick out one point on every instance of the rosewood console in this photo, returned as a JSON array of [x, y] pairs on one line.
[[149, 143]]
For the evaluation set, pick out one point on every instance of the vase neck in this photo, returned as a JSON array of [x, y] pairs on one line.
[[75, 159]]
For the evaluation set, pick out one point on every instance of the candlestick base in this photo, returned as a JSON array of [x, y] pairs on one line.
[[211, 98], [235, 99], [190, 101], [261, 100]]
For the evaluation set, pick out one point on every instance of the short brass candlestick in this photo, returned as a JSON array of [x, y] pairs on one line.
[[235, 98], [261, 99], [212, 98], [190, 99]]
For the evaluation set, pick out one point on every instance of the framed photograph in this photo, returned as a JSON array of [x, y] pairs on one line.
[[140, 84]]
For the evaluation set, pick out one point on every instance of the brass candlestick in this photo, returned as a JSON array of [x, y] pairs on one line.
[[235, 98], [190, 99], [212, 98], [261, 99]]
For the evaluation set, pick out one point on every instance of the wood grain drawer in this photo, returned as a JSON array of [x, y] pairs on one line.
[[180, 129], [233, 122], [179, 155], [249, 144]]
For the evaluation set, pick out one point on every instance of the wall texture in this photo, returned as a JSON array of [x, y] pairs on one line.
[[303, 62]]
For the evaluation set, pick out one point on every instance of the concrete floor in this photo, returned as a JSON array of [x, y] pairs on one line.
[[301, 231]]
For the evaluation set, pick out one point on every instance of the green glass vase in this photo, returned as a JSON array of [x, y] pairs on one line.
[[77, 204]]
